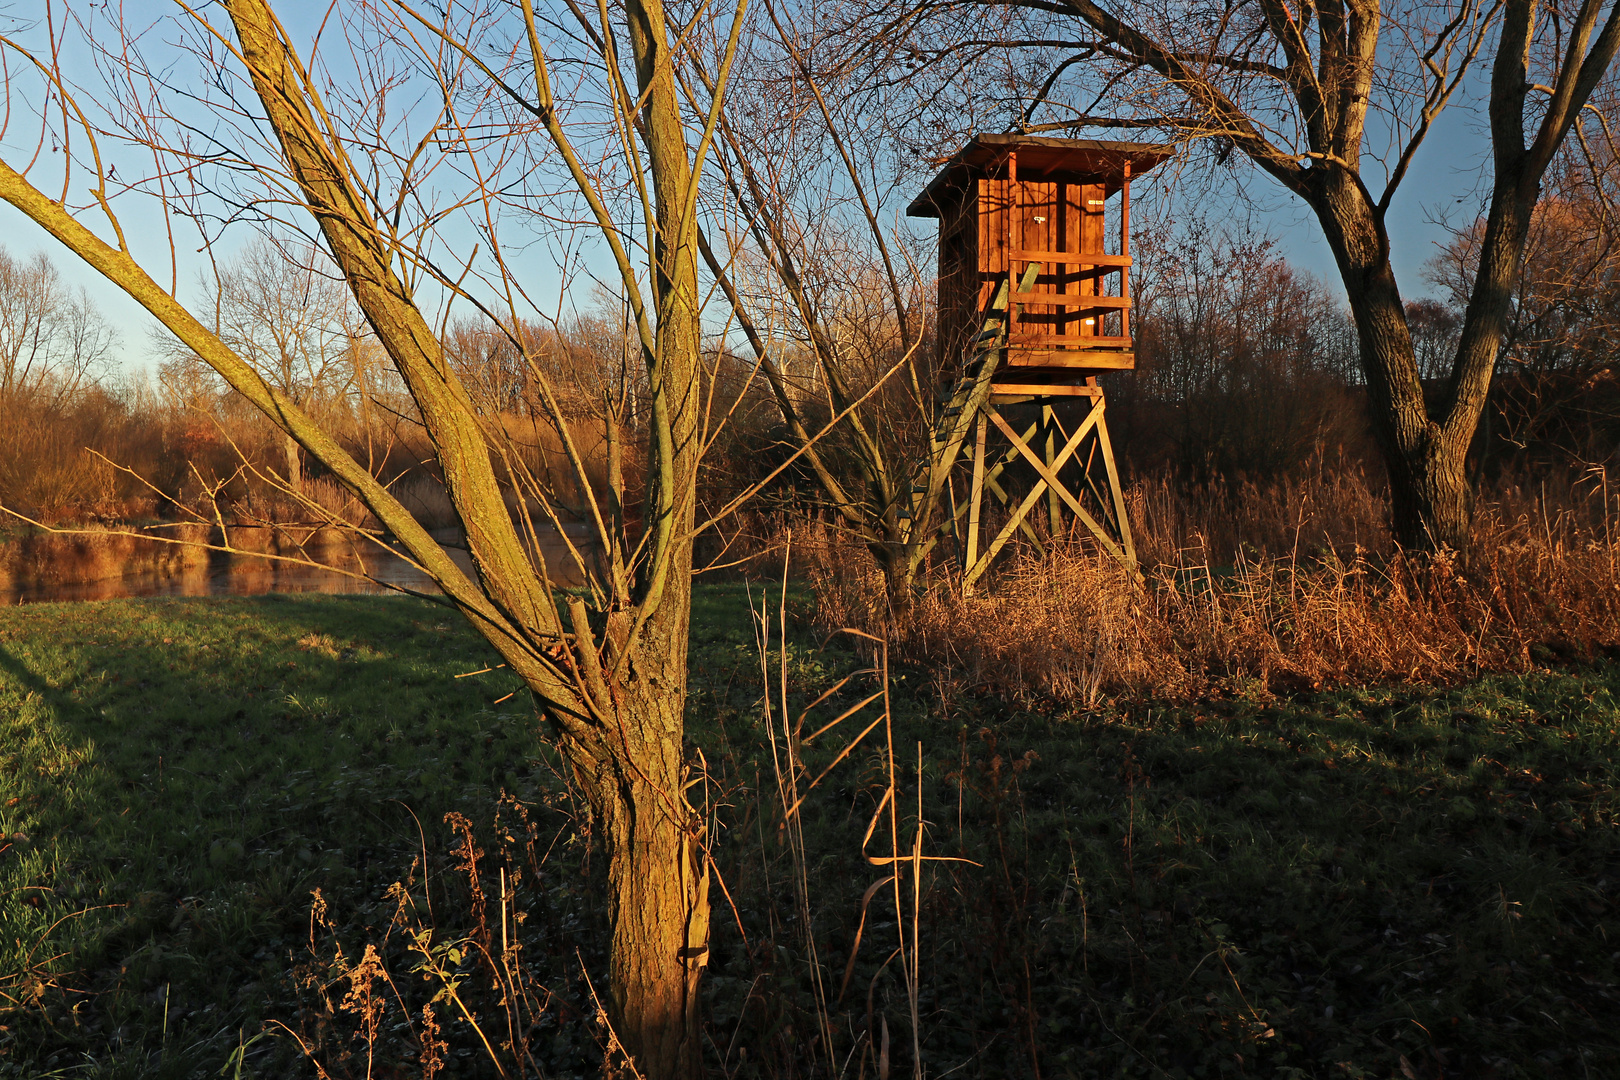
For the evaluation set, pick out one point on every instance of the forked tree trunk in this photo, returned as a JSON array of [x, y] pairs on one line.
[[1433, 507], [658, 884], [619, 718], [1425, 452], [1425, 446]]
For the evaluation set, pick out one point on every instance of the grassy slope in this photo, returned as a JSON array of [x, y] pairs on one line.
[[1241, 887]]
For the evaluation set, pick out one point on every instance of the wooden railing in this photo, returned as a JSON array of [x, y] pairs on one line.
[[1079, 266]]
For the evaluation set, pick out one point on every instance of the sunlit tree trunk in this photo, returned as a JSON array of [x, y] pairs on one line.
[[616, 706], [295, 464]]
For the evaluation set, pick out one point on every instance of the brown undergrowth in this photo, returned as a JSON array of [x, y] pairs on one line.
[[1540, 585], [442, 982]]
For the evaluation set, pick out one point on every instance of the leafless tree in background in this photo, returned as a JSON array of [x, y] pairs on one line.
[[1244, 365], [1330, 99], [1557, 360], [53, 342], [283, 309], [393, 123], [822, 277]]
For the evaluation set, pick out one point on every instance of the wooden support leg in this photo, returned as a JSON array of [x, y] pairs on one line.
[[1049, 480], [956, 515], [992, 474], [977, 568], [975, 496], [1088, 473], [1121, 519], [1054, 507]]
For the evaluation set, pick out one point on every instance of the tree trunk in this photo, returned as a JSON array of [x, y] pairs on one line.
[[659, 906], [295, 465], [1431, 505], [658, 885], [899, 571], [631, 773]]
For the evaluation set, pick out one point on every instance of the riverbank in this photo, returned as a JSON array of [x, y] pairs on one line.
[[195, 559], [1398, 878]]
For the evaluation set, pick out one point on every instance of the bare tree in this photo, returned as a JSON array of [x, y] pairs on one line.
[[821, 281], [1330, 99], [1241, 360], [1558, 346], [493, 361], [319, 141], [279, 308], [53, 342], [1565, 310], [1434, 327]]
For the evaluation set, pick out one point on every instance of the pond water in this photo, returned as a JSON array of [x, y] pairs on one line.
[[58, 569]]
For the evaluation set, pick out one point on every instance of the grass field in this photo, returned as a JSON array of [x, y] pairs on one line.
[[1389, 882]]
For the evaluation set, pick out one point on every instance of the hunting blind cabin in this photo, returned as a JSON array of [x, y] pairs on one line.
[[1032, 307]]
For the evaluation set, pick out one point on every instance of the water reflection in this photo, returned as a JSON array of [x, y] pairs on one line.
[[222, 574]]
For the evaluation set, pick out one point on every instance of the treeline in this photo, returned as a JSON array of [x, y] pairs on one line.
[[1247, 368], [83, 442]]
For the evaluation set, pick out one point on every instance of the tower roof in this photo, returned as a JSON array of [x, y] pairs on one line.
[[1102, 160]]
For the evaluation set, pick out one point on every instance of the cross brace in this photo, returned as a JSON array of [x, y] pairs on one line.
[[1067, 473], [1063, 474]]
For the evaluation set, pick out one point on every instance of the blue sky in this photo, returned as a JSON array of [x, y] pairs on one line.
[[1445, 184]]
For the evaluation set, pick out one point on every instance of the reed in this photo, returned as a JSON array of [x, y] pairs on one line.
[[1310, 606]]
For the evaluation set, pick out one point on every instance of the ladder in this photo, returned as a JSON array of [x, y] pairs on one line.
[[971, 406], [969, 394]]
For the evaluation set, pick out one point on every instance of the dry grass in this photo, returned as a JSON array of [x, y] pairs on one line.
[[1324, 508], [1543, 584], [47, 472]]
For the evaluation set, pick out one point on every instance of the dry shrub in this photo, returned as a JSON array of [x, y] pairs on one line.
[[47, 469], [321, 500], [1069, 626], [427, 500], [1318, 510], [419, 983], [1073, 626]]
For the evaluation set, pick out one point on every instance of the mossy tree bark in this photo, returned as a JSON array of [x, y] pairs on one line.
[[609, 676], [618, 713]]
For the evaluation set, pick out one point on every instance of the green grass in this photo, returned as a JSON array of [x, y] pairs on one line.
[[179, 775], [1324, 888], [1369, 883]]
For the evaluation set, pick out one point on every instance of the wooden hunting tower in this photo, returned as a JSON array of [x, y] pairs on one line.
[[1032, 307]]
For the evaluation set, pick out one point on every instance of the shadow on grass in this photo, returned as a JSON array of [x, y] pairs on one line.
[[181, 775], [1414, 882]]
